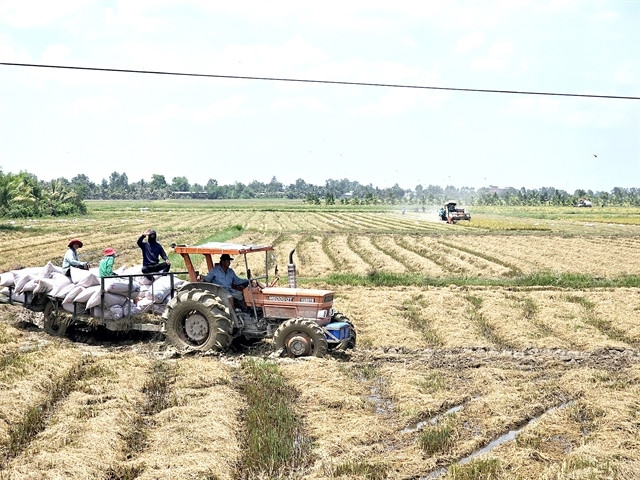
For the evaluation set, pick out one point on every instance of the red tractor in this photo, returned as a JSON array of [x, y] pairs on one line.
[[302, 322]]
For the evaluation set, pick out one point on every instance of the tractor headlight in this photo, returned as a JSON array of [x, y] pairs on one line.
[[322, 313]]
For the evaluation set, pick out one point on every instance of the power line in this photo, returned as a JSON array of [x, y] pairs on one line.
[[331, 82]]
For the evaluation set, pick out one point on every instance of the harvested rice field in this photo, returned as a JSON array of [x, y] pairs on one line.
[[507, 347]]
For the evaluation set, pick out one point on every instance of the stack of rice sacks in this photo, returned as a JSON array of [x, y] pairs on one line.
[[83, 290]]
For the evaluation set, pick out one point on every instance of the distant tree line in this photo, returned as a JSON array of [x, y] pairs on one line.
[[23, 195]]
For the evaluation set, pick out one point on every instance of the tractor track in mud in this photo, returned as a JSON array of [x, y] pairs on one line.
[[527, 359], [611, 359]]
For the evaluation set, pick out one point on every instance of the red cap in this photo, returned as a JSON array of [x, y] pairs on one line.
[[109, 251]]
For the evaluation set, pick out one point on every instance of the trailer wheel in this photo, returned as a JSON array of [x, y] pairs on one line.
[[300, 337], [351, 341], [55, 322], [196, 319]]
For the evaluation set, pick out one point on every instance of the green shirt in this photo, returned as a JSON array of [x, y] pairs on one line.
[[106, 266]]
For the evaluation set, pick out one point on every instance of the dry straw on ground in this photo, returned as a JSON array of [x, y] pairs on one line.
[[438, 375]]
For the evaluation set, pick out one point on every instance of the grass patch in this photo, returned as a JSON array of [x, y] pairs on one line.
[[367, 257], [437, 439], [476, 316], [411, 309], [483, 469], [362, 469], [505, 224], [10, 228], [177, 262], [158, 389], [545, 279], [432, 382], [595, 468], [398, 258], [275, 441], [12, 361]]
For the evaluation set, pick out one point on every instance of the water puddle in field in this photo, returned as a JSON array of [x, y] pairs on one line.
[[383, 405], [510, 435], [432, 421]]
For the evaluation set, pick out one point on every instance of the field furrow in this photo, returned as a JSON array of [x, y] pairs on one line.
[[348, 260], [367, 248], [84, 437], [198, 435], [449, 260]]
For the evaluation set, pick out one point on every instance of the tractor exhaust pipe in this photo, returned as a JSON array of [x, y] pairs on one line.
[[292, 271]]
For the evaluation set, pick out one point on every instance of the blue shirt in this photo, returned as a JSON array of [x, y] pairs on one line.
[[151, 252], [227, 279], [71, 260]]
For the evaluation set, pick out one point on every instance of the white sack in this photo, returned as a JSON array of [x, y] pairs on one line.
[[43, 285], [6, 279], [84, 278], [61, 285], [62, 292], [109, 299], [29, 286], [16, 297], [161, 288], [86, 294], [130, 308], [70, 297], [47, 270], [113, 285], [21, 278], [68, 307], [112, 313]]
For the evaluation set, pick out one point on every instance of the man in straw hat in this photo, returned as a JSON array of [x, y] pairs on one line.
[[71, 258]]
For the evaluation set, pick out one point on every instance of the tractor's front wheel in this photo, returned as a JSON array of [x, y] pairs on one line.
[[351, 341], [55, 322], [197, 319], [300, 337]]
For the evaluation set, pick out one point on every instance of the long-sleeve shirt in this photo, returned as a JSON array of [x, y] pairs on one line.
[[227, 279], [106, 266], [71, 260], [151, 252]]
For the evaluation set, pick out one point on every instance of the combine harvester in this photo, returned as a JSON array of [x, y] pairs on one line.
[[450, 214]]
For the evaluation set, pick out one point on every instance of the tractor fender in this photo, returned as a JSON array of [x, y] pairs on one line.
[[215, 289]]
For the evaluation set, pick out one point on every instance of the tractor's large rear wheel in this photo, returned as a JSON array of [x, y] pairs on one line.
[[351, 341], [300, 337], [55, 322], [196, 319]]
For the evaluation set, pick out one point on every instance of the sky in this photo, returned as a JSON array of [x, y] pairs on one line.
[[64, 122]]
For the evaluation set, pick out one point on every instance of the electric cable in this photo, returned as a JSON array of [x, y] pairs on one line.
[[330, 82]]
